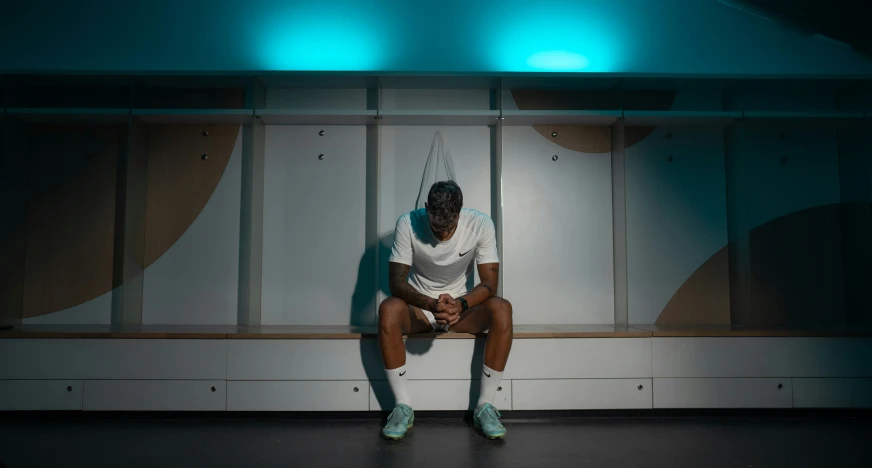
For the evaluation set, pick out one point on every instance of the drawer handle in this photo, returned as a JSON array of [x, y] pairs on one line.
[[213, 388], [69, 388], [780, 386], [640, 387], [499, 389], [356, 389]]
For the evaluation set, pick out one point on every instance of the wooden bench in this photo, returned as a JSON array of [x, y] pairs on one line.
[[297, 332]]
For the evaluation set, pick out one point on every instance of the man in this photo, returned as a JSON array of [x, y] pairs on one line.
[[430, 264]]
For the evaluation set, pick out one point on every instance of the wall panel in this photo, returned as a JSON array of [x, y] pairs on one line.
[[71, 216], [192, 225], [784, 223], [557, 219], [677, 227], [14, 194], [314, 225]]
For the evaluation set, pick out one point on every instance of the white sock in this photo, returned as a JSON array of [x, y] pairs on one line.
[[397, 379], [490, 382]]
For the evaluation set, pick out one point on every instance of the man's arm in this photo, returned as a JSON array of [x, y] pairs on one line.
[[400, 288], [489, 273]]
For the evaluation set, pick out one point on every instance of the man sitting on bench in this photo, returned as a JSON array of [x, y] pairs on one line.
[[430, 264]]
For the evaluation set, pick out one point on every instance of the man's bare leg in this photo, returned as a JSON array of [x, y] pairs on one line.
[[495, 316], [396, 318]]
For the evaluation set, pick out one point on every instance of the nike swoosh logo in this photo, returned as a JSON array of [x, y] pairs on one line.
[[468, 251], [404, 373], [486, 374]]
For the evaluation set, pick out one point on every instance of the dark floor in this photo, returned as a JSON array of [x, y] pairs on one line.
[[130, 441]]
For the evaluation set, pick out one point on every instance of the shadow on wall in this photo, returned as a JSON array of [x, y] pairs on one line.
[[364, 303]]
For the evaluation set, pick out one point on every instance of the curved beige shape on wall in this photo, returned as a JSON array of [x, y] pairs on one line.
[[589, 138], [796, 276], [704, 299], [180, 182], [71, 215]]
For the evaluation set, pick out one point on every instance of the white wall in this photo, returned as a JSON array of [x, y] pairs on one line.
[[435, 99], [768, 188], [558, 231], [314, 224], [307, 98], [97, 311], [196, 281], [676, 213]]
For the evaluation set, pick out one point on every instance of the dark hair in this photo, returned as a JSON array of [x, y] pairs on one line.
[[444, 201]]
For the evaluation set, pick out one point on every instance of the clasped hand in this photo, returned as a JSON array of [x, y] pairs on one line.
[[447, 310]]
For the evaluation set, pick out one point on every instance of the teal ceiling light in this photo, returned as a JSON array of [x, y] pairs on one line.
[[558, 60], [329, 36], [567, 36]]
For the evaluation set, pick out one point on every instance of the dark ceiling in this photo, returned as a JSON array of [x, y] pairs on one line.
[[847, 21]]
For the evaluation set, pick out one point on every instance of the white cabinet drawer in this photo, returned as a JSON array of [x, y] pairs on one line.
[[722, 393], [154, 395], [335, 395], [832, 393], [761, 357], [832, 357], [571, 394], [295, 360], [442, 359], [724, 357], [23, 395], [98, 359], [41, 359], [580, 358], [439, 395]]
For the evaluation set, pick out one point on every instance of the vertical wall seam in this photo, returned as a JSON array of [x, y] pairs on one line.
[[619, 225], [497, 197]]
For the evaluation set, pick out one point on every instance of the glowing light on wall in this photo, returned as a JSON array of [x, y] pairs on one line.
[[328, 36], [567, 36], [558, 60]]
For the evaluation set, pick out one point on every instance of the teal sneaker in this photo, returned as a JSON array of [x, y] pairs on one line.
[[401, 419], [487, 419]]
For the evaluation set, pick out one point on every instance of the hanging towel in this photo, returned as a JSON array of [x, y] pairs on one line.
[[439, 167]]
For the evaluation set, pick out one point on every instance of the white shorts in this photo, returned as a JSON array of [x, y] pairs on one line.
[[432, 319]]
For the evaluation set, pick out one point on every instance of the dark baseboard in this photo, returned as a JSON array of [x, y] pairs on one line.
[[455, 415]]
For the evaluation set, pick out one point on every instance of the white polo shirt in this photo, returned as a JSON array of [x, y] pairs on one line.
[[443, 267]]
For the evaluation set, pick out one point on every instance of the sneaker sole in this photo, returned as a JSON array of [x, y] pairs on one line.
[[396, 437], [490, 436]]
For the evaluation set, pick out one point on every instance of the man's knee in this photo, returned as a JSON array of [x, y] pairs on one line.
[[501, 311], [390, 313]]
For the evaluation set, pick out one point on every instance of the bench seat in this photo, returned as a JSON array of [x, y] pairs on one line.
[[333, 332]]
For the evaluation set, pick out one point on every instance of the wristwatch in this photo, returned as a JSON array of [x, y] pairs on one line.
[[463, 304]]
